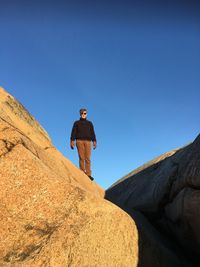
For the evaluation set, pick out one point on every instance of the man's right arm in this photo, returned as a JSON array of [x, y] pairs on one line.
[[73, 136]]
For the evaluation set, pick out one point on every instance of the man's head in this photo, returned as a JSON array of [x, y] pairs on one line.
[[83, 113]]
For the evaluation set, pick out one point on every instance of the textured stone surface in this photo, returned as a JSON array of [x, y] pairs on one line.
[[51, 214], [155, 249], [167, 192], [13, 112]]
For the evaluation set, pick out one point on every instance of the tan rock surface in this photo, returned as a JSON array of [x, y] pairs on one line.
[[51, 214], [19, 126], [14, 112]]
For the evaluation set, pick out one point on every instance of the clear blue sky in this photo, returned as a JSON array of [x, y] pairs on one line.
[[134, 64]]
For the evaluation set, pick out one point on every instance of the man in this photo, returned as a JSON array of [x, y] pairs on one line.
[[83, 133]]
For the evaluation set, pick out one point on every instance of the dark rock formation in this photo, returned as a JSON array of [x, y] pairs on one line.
[[166, 192]]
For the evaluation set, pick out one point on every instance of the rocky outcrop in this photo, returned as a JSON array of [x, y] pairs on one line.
[[166, 192], [51, 214], [13, 112]]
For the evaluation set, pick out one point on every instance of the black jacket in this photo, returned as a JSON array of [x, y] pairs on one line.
[[83, 130]]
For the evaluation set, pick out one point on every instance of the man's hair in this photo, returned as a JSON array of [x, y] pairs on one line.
[[83, 110]]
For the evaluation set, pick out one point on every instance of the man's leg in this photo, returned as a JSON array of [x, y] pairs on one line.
[[81, 153], [87, 157]]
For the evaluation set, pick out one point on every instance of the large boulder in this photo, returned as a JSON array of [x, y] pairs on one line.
[[51, 214], [166, 192]]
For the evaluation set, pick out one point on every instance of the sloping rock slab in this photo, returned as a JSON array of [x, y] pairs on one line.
[[51, 214]]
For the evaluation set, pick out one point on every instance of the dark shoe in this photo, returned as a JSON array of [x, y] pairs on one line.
[[91, 178]]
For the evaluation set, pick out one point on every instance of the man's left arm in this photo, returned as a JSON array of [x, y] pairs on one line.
[[93, 136]]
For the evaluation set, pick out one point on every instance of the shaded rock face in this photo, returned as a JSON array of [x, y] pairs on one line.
[[166, 192], [51, 214]]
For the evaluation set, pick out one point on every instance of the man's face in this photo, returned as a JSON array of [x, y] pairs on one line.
[[83, 114]]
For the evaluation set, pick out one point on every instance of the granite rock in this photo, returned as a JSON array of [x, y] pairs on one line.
[[51, 213]]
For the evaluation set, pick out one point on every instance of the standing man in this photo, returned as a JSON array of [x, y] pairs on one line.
[[83, 133]]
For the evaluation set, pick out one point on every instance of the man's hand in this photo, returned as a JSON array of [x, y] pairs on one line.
[[72, 144], [94, 144]]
